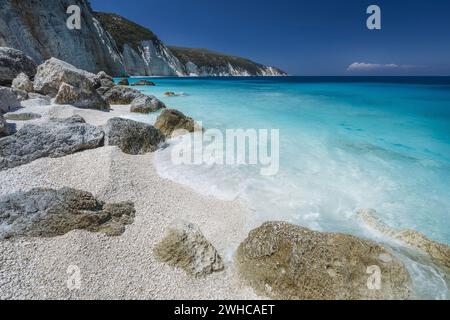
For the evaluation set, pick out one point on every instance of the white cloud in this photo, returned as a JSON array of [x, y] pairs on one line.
[[363, 66]]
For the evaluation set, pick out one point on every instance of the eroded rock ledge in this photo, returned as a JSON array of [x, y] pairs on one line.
[[438, 252], [285, 261], [50, 213]]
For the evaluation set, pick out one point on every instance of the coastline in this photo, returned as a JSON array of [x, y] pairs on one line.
[[117, 267]]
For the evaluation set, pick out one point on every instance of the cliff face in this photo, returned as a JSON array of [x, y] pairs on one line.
[[203, 62], [39, 29], [108, 42], [143, 53]]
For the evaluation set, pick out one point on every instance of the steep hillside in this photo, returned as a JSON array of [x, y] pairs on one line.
[[141, 50], [204, 62], [108, 42]]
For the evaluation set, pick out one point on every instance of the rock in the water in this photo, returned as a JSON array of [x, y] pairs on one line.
[[146, 104], [89, 99], [8, 100], [121, 95], [284, 261], [12, 63], [132, 137], [170, 121], [170, 94], [23, 82], [55, 138], [143, 83], [22, 116], [123, 82], [439, 252], [53, 72], [184, 246], [50, 213]]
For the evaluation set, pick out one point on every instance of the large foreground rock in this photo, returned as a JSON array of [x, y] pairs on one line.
[[53, 72], [146, 104], [439, 252], [55, 138], [132, 137], [284, 261], [50, 213], [23, 82], [171, 120], [12, 63], [121, 95], [8, 100], [185, 247], [80, 98]]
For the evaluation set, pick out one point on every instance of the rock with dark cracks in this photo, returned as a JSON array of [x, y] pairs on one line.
[[55, 138], [49, 213], [132, 137]]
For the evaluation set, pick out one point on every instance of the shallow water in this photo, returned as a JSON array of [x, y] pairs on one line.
[[345, 143]]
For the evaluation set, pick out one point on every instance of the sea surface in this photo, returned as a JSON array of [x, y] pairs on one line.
[[345, 143]]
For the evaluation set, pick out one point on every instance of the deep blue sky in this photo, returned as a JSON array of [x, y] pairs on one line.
[[316, 37]]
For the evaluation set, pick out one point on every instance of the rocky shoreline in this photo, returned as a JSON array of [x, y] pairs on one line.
[[77, 187]]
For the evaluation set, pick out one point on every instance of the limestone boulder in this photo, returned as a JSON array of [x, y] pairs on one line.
[[170, 121], [132, 137], [49, 213], [54, 138], [54, 72], [80, 98], [8, 100], [146, 104], [285, 261], [23, 82], [184, 246], [14, 62], [121, 95]]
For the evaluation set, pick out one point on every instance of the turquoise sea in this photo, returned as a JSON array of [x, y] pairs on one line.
[[345, 144]]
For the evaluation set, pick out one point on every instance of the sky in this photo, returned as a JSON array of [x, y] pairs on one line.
[[309, 38]]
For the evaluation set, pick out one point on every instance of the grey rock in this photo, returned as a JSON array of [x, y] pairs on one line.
[[50, 213], [132, 137], [284, 261], [13, 62], [121, 95], [20, 94], [8, 100], [55, 138], [23, 82], [4, 127], [146, 104], [80, 98], [104, 75], [170, 121], [53, 73], [185, 247], [23, 116]]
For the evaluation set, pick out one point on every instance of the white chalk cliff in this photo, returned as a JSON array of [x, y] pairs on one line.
[[108, 42]]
